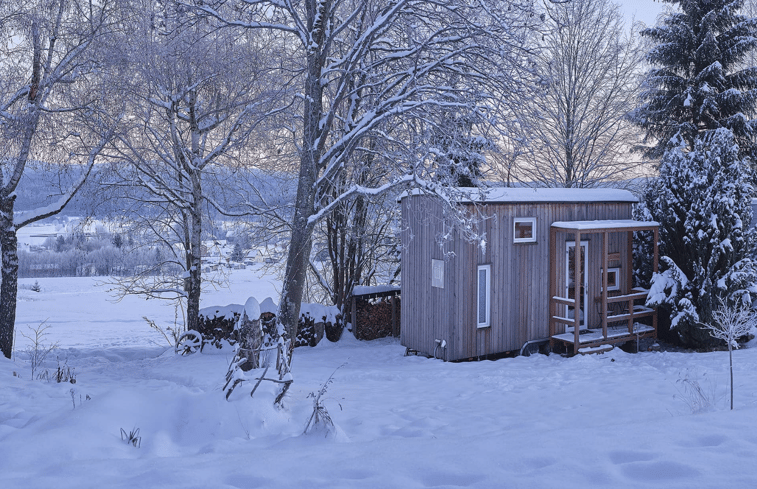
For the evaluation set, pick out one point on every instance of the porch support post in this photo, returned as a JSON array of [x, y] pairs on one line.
[[395, 325], [655, 264], [579, 281], [655, 260], [629, 262], [605, 273], [552, 284], [354, 317], [629, 279]]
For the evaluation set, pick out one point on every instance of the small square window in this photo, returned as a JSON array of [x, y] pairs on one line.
[[524, 230], [613, 279]]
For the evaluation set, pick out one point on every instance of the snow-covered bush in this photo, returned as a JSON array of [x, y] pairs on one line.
[[669, 289], [702, 201]]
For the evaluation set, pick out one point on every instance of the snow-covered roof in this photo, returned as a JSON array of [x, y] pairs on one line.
[[605, 224], [550, 195], [374, 289], [538, 195]]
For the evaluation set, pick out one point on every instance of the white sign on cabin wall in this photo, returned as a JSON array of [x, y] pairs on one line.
[[437, 273]]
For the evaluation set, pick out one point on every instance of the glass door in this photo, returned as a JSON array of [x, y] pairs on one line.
[[570, 280]]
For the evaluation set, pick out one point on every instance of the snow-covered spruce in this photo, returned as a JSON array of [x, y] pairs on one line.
[[702, 201], [698, 81]]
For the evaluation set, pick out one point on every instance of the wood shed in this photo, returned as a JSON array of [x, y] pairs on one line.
[[518, 284]]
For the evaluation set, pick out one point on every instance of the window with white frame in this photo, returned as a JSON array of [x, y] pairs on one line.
[[613, 278], [437, 273], [483, 297], [524, 230]]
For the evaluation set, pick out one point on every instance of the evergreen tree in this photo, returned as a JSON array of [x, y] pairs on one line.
[[60, 243], [643, 243], [698, 82], [702, 201], [459, 150], [237, 255]]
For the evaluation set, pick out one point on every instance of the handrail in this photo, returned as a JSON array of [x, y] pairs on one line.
[[564, 300], [627, 297]]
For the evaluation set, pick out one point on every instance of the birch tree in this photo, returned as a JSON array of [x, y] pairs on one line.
[[194, 98], [363, 64], [51, 103]]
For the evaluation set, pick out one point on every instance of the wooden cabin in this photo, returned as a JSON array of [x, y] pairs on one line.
[[517, 285]]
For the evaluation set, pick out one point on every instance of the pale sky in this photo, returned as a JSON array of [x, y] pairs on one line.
[[643, 10]]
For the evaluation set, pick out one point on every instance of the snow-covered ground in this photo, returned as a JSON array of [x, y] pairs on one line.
[[613, 420]]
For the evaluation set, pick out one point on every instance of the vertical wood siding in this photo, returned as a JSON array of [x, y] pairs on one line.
[[519, 280]]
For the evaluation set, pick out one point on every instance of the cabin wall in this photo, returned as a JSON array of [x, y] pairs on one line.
[[426, 309], [520, 274]]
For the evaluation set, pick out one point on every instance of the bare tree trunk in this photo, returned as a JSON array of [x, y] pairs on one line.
[[195, 256], [9, 286], [299, 252], [302, 230], [335, 245]]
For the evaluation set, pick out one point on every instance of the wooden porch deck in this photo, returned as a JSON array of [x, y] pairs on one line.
[[588, 338], [612, 310]]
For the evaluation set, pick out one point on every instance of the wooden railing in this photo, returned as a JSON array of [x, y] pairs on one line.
[[631, 312]]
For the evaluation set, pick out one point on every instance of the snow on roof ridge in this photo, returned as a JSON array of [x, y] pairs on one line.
[[374, 289], [603, 224], [535, 195], [509, 194]]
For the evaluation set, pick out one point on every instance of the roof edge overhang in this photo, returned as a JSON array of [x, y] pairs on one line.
[[611, 225], [509, 195]]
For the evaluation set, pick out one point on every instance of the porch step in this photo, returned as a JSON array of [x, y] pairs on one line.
[[614, 334], [595, 349]]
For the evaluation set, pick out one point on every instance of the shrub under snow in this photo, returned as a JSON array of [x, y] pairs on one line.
[[702, 201]]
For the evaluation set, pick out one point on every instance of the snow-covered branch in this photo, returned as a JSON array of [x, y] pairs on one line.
[[27, 217]]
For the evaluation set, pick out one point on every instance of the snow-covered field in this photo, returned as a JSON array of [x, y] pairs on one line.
[[612, 420]]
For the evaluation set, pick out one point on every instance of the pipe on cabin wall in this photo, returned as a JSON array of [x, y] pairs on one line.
[[531, 342], [440, 344]]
